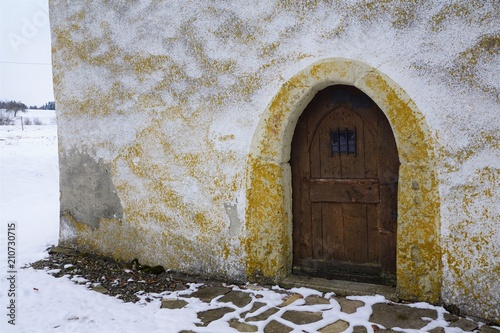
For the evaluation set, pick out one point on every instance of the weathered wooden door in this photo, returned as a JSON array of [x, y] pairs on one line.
[[344, 176]]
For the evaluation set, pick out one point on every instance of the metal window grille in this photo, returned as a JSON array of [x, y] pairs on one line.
[[343, 141]]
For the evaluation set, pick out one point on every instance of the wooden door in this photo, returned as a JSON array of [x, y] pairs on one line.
[[344, 177]]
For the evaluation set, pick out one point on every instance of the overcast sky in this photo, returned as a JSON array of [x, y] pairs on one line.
[[25, 61]]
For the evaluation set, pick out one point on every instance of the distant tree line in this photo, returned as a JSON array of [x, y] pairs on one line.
[[46, 106], [14, 106]]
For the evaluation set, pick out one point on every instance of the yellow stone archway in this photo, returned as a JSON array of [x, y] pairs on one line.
[[269, 213]]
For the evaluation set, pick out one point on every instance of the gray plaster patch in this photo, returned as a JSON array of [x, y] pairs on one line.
[[87, 190], [232, 213]]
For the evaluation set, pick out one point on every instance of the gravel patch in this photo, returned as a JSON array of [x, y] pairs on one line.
[[130, 281]]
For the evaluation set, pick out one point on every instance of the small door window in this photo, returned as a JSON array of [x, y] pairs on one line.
[[343, 141]]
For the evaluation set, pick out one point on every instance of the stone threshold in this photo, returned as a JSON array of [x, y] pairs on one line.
[[339, 287]]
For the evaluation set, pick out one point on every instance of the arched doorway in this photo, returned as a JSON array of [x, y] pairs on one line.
[[344, 164], [268, 214]]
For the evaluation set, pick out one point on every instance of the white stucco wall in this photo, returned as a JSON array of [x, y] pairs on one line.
[[166, 96]]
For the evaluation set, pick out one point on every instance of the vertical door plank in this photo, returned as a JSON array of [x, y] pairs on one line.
[[388, 175], [331, 218], [352, 165], [387, 230], [315, 158], [371, 136], [330, 164], [370, 141], [355, 241], [354, 215], [315, 154], [333, 231], [373, 234], [316, 230]]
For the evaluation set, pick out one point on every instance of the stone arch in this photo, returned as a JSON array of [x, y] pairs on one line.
[[269, 213]]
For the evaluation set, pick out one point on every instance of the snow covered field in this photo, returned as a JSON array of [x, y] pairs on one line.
[[29, 199]]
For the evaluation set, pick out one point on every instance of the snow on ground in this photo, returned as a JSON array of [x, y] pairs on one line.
[[29, 198]]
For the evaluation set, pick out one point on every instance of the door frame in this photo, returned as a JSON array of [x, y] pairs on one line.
[[268, 216]]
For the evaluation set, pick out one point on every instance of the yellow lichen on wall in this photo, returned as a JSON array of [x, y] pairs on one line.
[[465, 68], [125, 241], [477, 277], [267, 246], [273, 130], [111, 63], [459, 10], [407, 125], [161, 225], [400, 12], [123, 245], [419, 250], [155, 160]]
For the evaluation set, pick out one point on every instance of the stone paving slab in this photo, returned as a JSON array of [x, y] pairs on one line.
[[348, 306], [314, 300], [392, 315], [302, 317], [262, 316], [359, 329], [277, 327], [246, 308], [465, 324], [209, 316], [289, 299], [255, 307], [336, 327], [173, 304], [238, 298], [487, 329], [242, 326], [206, 294]]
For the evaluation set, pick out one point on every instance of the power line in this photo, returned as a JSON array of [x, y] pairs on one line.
[[25, 63]]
